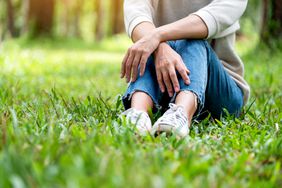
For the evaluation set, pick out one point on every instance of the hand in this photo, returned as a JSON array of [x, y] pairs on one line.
[[137, 55], [167, 62]]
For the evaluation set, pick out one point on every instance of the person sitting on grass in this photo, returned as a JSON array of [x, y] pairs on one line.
[[183, 60]]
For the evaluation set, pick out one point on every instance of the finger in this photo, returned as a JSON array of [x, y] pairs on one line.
[[183, 73], [135, 67], [122, 72], [187, 70], [160, 81], [167, 83], [143, 62], [128, 66], [174, 80]]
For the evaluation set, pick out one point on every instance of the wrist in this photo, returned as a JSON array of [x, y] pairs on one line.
[[160, 48], [159, 33]]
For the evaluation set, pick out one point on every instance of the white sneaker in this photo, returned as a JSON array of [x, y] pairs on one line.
[[140, 119], [174, 120]]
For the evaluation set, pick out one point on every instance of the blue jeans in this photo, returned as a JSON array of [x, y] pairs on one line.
[[213, 86]]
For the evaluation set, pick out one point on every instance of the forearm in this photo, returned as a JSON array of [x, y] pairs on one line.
[[191, 27], [142, 30]]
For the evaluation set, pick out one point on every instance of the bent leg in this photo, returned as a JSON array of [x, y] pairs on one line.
[[222, 92], [213, 86], [194, 55], [144, 92]]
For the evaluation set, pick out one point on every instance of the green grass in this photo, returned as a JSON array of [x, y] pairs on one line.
[[59, 107]]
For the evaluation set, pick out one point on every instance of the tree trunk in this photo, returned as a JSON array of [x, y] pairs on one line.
[[77, 12], [66, 17], [99, 25], [117, 17], [271, 21], [10, 19], [40, 16], [277, 16]]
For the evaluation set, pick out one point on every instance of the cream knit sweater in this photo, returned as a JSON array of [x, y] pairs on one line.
[[220, 16]]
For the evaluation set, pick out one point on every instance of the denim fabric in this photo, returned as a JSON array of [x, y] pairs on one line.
[[213, 86]]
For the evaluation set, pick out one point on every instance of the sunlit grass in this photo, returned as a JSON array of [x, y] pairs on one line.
[[83, 68], [59, 125]]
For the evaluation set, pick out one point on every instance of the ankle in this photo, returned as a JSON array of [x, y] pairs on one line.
[[189, 101], [141, 101]]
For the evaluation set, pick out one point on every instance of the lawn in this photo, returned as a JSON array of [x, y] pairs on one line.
[[59, 107]]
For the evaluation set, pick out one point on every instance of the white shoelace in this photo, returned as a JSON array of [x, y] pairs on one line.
[[175, 115]]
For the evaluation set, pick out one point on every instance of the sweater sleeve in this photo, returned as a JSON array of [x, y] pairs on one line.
[[219, 15], [136, 12]]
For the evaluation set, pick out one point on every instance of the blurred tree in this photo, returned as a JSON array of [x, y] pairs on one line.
[[71, 17], [77, 14], [10, 18], [117, 16], [2, 20], [65, 16], [40, 15], [271, 21], [100, 17]]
